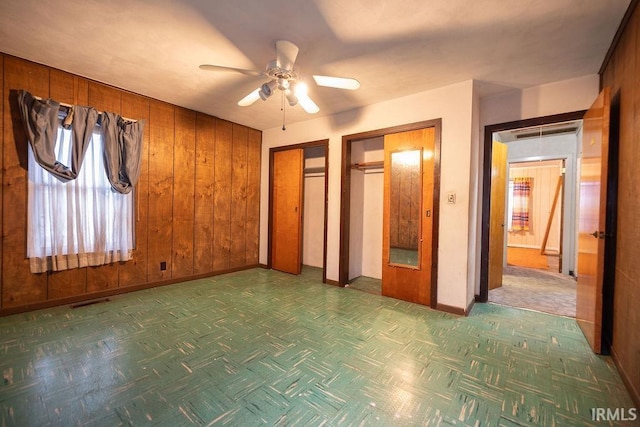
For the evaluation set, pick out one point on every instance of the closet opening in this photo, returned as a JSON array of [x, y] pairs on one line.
[[298, 180], [364, 202], [365, 237]]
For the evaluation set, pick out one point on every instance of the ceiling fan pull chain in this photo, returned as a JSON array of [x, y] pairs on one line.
[[282, 107]]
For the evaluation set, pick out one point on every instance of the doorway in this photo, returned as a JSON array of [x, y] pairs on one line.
[[538, 258], [298, 181]]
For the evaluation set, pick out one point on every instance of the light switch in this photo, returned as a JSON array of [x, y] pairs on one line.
[[451, 198]]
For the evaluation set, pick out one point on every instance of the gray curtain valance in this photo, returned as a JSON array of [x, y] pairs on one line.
[[122, 140], [122, 151], [40, 119]]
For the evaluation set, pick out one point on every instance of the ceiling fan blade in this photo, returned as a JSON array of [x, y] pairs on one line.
[[337, 82], [237, 70], [250, 99], [286, 54], [307, 103]]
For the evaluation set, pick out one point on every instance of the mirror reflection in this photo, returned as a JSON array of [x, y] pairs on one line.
[[404, 213]]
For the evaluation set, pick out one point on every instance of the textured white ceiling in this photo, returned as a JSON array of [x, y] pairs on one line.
[[394, 48]]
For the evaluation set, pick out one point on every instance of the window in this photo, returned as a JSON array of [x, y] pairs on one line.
[[80, 222]]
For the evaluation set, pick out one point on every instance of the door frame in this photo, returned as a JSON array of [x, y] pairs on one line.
[[489, 130], [319, 143], [345, 197]]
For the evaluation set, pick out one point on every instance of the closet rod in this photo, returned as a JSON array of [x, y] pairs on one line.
[[318, 169], [69, 106], [368, 165]]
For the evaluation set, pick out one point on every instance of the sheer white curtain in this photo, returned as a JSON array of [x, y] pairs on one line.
[[80, 222]]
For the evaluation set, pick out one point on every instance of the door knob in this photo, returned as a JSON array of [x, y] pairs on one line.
[[595, 234]]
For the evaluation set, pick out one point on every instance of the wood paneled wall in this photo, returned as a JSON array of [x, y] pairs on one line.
[[196, 171], [622, 75]]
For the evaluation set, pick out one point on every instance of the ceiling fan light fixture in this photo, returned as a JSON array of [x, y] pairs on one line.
[[283, 84], [282, 76], [266, 90], [291, 97], [301, 88], [337, 82]]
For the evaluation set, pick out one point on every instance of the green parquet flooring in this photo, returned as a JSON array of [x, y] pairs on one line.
[[260, 347]]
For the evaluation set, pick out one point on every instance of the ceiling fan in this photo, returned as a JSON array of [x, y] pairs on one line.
[[284, 77]]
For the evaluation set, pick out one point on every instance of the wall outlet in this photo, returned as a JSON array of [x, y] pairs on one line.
[[163, 265], [451, 198]]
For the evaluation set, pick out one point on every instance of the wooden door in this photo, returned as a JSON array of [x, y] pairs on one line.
[[591, 219], [408, 217], [286, 231], [496, 215]]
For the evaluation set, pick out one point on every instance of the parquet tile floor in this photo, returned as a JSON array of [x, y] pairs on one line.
[[260, 347]]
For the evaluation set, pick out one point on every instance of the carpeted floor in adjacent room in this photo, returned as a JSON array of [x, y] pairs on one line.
[[534, 289]]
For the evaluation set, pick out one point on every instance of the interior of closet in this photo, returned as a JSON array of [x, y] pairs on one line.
[[367, 184], [313, 206]]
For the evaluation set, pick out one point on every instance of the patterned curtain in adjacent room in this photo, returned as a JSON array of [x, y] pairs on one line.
[[521, 196]]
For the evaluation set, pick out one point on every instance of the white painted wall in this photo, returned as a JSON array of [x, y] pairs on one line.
[[461, 165], [313, 214], [475, 200], [552, 98], [453, 104]]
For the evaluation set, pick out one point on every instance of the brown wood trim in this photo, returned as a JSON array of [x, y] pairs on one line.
[[470, 307], [332, 282], [326, 210], [345, 212], [435, 233], [617, 37], [270, 213], [450, 309], [345, 196], [456, 310], [87, 298], [303, 145], [486, 183], [624, 375], [318, 143]]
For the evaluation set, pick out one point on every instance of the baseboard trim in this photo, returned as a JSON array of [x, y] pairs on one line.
[[456, 310], [470, 307], [450, 309], [633, 392], [332, 282], [87, 299]]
